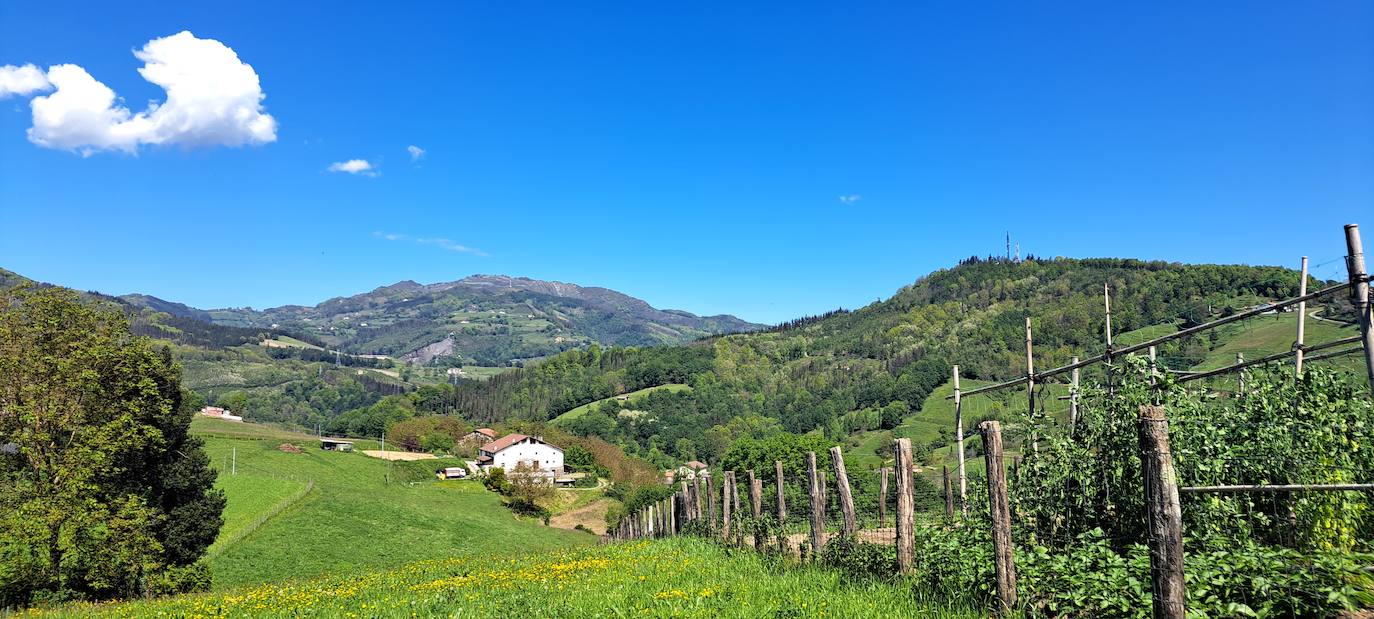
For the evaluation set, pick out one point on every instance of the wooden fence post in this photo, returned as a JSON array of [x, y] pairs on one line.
[[1359, 294], [949, 495], [686, 501], [1165, 515], [698, 509], [782, 498], [1302, 322], [710, 500], [959, 444], [906, 507], [882, 496], [1073, 398], [755, 495], [1004, 558], [817, 504], [842, 484], [726, 486]]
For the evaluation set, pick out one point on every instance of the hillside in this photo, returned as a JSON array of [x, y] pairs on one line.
[[346, 512], [854, 375], [486, 320]]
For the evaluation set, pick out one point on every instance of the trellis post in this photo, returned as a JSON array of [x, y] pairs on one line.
[[906, 507], [1004, 559], [842, 484], [1164, 515], [1302, 322], [959, 440], [817, 504], [782, 498], [882, 496], [1359, 293]]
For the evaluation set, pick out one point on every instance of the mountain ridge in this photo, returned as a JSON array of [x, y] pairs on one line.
[[481, 319]]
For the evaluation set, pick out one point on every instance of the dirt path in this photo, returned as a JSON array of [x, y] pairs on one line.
[[592, 516], [398, 455]]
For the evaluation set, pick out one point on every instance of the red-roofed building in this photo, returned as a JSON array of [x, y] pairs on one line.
[[513, 450], [480, 436]]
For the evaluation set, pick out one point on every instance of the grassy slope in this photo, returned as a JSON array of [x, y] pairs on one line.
[[633, 395], [354, 519], [680, 577]]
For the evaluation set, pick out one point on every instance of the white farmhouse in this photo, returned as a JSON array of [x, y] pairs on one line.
[[513, 450]]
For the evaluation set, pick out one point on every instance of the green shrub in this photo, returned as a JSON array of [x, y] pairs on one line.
[[858, 559]]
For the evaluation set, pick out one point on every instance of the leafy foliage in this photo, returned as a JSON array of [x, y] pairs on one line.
[[103, 491]]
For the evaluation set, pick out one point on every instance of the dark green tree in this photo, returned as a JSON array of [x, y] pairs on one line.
[[103, 491]]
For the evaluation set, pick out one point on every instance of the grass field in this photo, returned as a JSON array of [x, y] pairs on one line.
[[632, 396], [363, 513], [679, 577]]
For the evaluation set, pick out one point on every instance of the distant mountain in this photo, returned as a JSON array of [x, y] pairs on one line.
[[482, 320]]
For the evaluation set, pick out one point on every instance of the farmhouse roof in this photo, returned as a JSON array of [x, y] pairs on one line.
[[503, 442], [488, 432], [695, 464]]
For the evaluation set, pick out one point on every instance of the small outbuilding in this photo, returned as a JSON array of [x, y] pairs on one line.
[[336, 444]]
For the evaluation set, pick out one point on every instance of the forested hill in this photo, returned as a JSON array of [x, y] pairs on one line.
[[850, 370], [489, 320]]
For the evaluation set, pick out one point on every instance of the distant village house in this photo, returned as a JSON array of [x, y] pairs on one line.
[[336, 444], [220, 413]]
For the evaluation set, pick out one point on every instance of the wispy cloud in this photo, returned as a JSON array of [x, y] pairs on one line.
[[851, 198], [441, 243], [416, 153], [354, 166]]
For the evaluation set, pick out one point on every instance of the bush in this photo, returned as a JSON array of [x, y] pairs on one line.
[[177, 580], [1225, 578], [858, 559]]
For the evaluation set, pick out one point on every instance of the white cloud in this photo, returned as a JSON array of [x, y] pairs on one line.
[[22, 81], [851, 198], [213, 99], [354, 166], [437, 242], [451, 246], [416, 153]]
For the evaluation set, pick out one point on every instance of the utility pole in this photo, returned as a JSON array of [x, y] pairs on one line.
[[1359, 278]]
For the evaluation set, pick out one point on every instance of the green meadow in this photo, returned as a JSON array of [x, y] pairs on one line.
[[360, 513]]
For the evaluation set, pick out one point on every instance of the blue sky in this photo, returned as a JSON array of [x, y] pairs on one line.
[[696, 156]]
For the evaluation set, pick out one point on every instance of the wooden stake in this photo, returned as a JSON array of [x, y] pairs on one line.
[[959, 442], [698, 510], [1240, 376], [842, 484], [755, 495], [782, 498], [1107, 356], [1302, 322], [882, 496], [1364, 311], [711, 500], [1030, 388], [1004, 559], [1165, 516], [949, 495], [906, 508], [817, 504], [725, 501], [1073, 398], [686, 491]]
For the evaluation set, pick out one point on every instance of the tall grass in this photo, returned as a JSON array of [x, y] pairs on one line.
[[680, 577]]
